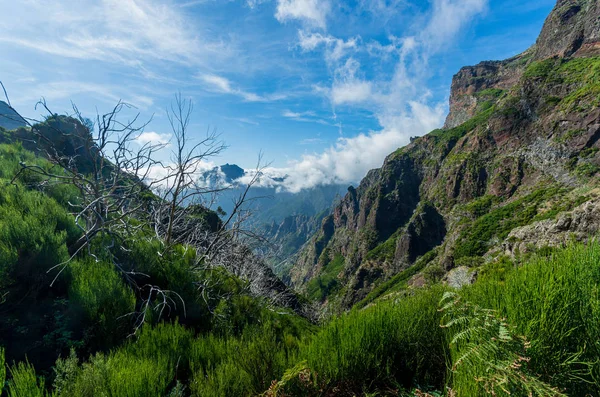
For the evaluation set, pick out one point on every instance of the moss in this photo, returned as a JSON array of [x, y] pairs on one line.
[[580, 75], [481, 206], [444, 137], [587, 169], [589, 152], [553, 100], [490, 93], [539, 69], [570, 134]]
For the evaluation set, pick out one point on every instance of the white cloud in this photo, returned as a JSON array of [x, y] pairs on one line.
[[312, 12], [223, 85], [400, 100], [220, 83], [447, 19], [351, 92], [123, 31], [153, 138], [296, 115], [255, 3], [335, 48], [350, 158]]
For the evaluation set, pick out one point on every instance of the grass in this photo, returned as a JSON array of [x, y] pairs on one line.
[[391, 344], [554, 301]]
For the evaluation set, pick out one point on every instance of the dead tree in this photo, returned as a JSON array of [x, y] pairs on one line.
[[180, 194], [106, 166]]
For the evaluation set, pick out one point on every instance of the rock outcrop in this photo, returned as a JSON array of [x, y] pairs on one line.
[[580, 224]]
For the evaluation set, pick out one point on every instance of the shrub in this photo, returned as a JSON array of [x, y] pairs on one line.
[[98, 291], [24, 382]]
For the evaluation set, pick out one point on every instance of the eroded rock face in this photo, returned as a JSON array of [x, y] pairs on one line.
[[581, 224], [473, 80], [573, 28], [460, 276]]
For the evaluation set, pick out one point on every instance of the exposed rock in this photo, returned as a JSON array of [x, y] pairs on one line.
[[417, 281], [425, 231], [581, 224], [573, 28], [460, 276], [470, 80]]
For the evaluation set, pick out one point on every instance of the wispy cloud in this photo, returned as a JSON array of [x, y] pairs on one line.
[[124, 31], [312, 141], [335, 48], [223, 85], [312, 12], [295, 115], [243, 120]]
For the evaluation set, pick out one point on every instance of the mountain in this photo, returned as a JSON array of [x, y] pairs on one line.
[[514, 169], [9, 118], [269, 201]]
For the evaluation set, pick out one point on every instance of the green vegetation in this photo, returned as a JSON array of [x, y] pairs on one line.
[[327, 281], [498, 222], [451, 136], [385, 251], [580, 75], [399, 281], [553, 301], [137, 319]]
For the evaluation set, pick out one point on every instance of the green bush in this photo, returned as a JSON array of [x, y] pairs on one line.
[[97, 290], [24, 382], [34, 231]]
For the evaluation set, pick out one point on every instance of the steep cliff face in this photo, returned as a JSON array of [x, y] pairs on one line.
[[521, 145]]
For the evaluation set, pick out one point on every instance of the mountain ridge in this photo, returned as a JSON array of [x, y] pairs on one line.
[[520, 145]]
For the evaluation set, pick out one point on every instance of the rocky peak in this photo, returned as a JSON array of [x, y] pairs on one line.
[[473, 87], [571, 30]]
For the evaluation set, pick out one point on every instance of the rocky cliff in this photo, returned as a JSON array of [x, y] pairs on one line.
[[520, 145]]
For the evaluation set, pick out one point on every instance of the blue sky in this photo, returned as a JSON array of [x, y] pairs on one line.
[[325, 88]]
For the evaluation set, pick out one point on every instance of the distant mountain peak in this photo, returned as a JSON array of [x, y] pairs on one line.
[[9, 118], [232, 171]]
